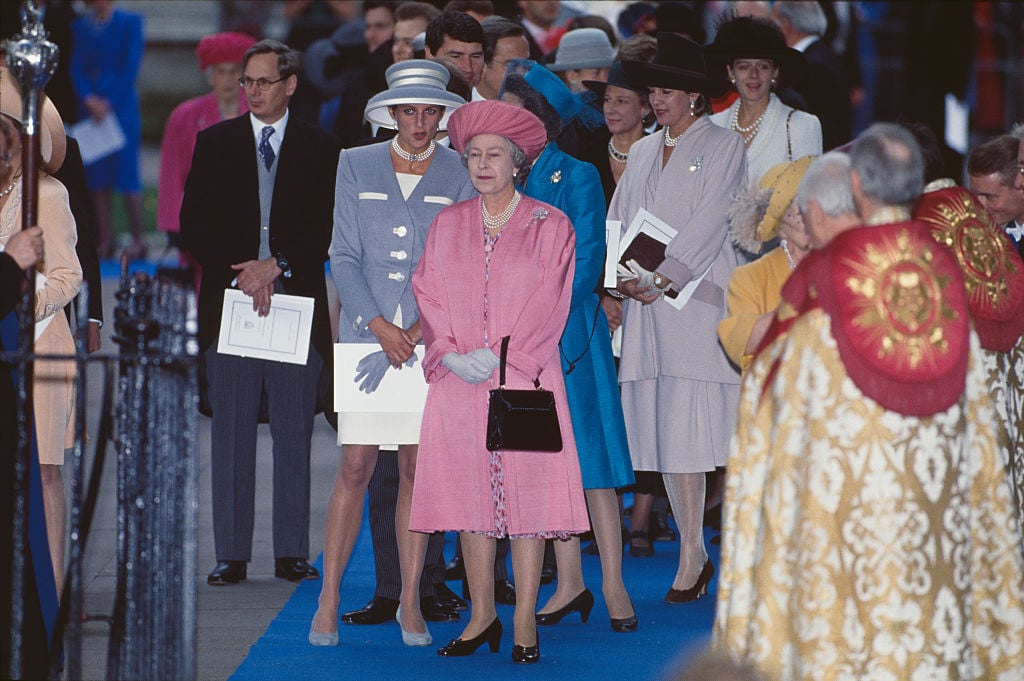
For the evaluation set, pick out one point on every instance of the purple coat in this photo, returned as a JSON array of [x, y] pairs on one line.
[[528, 291]]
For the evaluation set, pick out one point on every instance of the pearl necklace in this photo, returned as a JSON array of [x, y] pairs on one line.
[[750, 131], [496, 222], [671, 141], [618, 156], [8, 189], [785, 249], [413, 158]]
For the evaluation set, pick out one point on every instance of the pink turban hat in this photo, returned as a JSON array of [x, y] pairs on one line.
[[497, 118], [223, 47]]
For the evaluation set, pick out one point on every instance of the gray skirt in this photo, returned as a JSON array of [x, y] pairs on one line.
[[679, 425]]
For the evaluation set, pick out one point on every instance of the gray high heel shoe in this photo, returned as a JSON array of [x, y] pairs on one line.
[[410, 638], [318, 639]]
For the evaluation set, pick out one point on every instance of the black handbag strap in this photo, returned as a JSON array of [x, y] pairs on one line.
[[504, 356]]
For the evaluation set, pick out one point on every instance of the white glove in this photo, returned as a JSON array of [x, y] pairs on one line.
[[472, 367], [645, 278]]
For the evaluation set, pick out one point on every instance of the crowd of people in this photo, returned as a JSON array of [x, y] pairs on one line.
[[825, 348]]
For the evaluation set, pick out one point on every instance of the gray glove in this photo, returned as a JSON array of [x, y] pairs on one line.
[[472, 367], [371, 369]]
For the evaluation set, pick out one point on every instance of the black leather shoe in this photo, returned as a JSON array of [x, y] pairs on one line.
[[447, 598], [454, 569], [460, 648], [227, 572], [548, 573], [526, 654], [583, 604], [504, 592], [377, 611], [294, 569], [435, 611]]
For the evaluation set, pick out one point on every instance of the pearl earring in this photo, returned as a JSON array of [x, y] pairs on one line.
[[693, 108]]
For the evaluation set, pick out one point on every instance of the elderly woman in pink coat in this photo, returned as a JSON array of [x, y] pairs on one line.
[[497, 265], [220, 57]]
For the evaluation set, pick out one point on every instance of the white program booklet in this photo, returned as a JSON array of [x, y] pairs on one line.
[[644, 241], [281, 336], [98, 139]]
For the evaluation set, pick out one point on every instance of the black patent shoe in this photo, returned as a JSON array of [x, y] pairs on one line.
[[504, 592], [624, 626], [526, 654], [228, 572], [460, 648], [435, 611], [377, 611], [447, 598], [583, 604], [294, 569]]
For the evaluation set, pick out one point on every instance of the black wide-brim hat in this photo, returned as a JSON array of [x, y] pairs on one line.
[[678, 65], [616, 77], [749, 38]]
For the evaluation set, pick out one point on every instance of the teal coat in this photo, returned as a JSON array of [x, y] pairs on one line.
[[592, 387]]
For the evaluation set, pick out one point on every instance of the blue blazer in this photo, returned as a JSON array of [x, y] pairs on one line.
[[379, 236]]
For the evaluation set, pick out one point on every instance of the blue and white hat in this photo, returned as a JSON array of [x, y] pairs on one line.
[[414, 81]]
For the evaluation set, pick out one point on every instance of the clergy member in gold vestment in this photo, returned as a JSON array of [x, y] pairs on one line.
[[870, 530]]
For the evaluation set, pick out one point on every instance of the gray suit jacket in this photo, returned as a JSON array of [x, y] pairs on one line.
[[379, 236]]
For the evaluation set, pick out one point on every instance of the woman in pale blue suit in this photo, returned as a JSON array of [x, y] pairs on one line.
[[574, 187], [387, 195]]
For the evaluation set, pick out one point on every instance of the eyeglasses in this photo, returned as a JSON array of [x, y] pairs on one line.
[[262, 83]]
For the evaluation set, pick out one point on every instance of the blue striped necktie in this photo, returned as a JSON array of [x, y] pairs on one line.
[[267, 151]]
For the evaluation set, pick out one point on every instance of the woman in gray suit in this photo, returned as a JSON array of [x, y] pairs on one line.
[[386, 196]]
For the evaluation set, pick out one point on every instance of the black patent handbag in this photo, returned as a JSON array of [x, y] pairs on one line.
[[523, 420]]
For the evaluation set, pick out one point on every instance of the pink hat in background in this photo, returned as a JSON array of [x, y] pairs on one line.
[[223, 47]]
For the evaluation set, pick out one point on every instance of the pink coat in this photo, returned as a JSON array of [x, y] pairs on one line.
[[184, 123], [528, 291]]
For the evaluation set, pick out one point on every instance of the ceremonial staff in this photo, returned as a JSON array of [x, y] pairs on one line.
[[31, 60]]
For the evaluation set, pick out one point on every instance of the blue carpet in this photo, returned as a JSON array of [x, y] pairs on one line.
[[668, 635]]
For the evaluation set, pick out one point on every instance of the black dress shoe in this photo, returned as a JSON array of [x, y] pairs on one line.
[[548, 574], [227, 572], [504, 592], [377, 611], [294, 569], [582, 603], [526, 654], [460, 648], [696, 591], [435, 611], [454, 569], [625, 625], [448, 598]]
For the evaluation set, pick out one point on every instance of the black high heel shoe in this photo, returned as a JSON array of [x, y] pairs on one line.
[[526, 654], [583, 604], [460, 648], [695, 591], [626, 624]]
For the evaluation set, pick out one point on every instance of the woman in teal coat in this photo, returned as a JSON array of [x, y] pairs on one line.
[[574, 187]]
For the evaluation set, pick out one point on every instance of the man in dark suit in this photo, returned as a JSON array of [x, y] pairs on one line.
[[257, 214], [823, 86], [992, 168]]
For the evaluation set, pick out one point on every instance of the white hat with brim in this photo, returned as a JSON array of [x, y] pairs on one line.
[[52, 139], [415, 81]]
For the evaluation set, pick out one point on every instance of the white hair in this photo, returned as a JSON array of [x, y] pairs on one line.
[[806, 16], [827, 181]]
